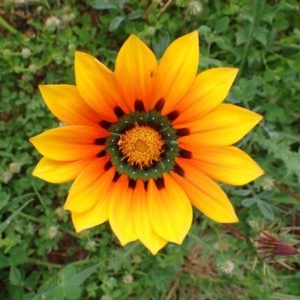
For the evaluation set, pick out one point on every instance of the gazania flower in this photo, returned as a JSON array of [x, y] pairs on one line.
[[146, 142]]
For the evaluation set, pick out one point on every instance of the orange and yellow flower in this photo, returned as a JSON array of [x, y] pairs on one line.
[[146, 142]]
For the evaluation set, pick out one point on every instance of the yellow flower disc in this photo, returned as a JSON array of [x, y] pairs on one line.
[[141, 145]]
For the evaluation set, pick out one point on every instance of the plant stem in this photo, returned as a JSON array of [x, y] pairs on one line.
[[7, 26]]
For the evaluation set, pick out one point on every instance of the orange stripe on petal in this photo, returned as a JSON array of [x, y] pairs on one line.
[[59, 172], [205, 194], [89, 187], [65, 102], [176, 71], [170, 210], [226, 164], [120, 211], [142, 222], [135, 64], [208, 91], [223, 126], [69, 143], [97, 86]]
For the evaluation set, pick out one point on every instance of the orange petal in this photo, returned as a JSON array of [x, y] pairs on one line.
[[89, 187], [121, 212], [176, 71], [97, 86], [223, 126], [210, 88], [66, 104], [205, 194], [226, 164], [58, 171], [170, 210], [69, 143], [142, 222], [135, 64]]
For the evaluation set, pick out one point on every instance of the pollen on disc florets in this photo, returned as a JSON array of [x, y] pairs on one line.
[[141, 146]]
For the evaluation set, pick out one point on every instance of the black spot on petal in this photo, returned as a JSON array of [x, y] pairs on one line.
[[185, 153], [160, 183], [119, 111], [116, 177], [172, 115], [101, 153], [159, 104], [100, 141], [145, 185], [107, 166], [139, 105], [178, 170], [105, 124], [182, 132], [132, 184]]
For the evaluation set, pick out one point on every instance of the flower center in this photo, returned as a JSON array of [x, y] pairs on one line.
[[141, 146]]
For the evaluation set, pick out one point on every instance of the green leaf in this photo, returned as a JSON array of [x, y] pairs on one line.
[[103, 4], [80, 277], [6, 222], [136, 14], [4, 197], [249, 201], [72, 291], [115, 23], [14, 275], [266, 210], [222, 25]]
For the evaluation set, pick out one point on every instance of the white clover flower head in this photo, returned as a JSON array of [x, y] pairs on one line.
[[21, 2], [91, 245], [267, 183], [227, 267], [32, 68], [52, 232], [104, 297], [61, 213], [14, 167], [136, 259], [26, 53], [52, 23], [194, 8], [68, 18], [127, 279], [7, 176]]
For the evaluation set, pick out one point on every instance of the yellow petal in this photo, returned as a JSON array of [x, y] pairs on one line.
[[141, 220], [89, 187], [226, 164], [97, 215], [69, 143], [135, 65], [210, 88], [58, 171], [176, 71], [97, 86], [170, 210], [120, 211], [223, 126], [205, 194], [67, 105]]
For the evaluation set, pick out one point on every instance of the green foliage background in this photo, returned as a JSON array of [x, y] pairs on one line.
[[41, 257]]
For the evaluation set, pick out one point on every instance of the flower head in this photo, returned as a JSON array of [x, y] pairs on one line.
[[145, 142], [227, 267]]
